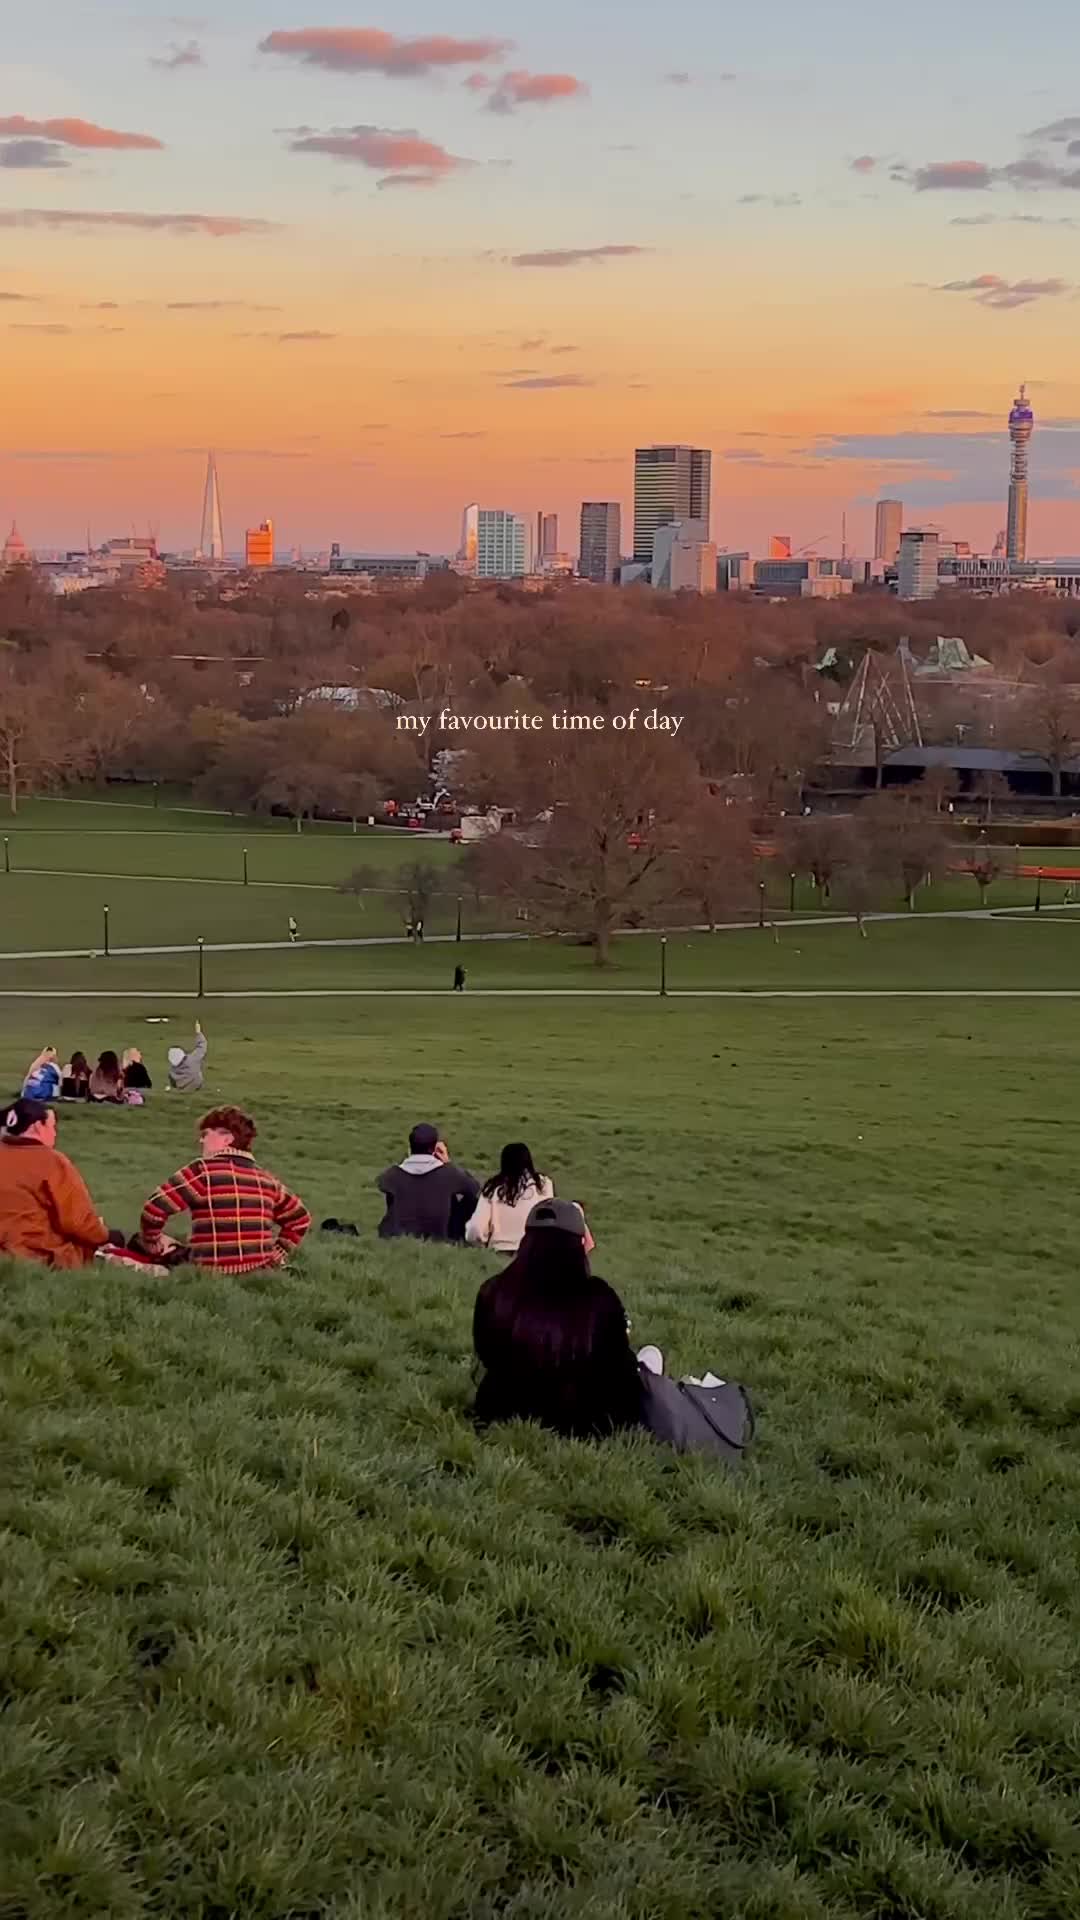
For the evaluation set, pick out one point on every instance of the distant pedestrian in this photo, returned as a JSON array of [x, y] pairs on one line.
[[409, 929], [419, 928], [293, 930], [459, 979]]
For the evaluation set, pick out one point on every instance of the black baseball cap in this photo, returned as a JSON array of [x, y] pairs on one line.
[[565, 1215]]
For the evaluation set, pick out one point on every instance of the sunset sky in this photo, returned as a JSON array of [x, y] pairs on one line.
[[387, 262]]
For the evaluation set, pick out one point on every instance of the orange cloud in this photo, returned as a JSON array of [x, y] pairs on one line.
[[534, 90], [220, 226], [371, 50], [76, 133], [398, 152]]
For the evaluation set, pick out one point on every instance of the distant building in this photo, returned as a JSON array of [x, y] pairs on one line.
[[918, 564], [684, 559], [779, 546], [408, 568], [259, 545], [888, 527], [811, 578], [601, 541], [15, 552], [733, 572], [1021, 427], [495, 544], [547, 539], [670, 483], [130, 561]]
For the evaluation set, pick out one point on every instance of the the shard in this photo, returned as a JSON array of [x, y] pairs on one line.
[[211, 537]]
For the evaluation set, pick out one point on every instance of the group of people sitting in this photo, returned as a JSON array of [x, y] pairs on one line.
[[117, 1080], [551, 1339]]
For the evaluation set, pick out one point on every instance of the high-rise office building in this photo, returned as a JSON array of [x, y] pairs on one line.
[[670, 483], [601, 541], [918, 563], [888, 526], [547, 538], [1021, 427], [684, 558], [494, 544], [259, 545]]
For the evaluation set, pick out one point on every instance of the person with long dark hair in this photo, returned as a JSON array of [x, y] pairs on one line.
[[75, 1078], [46, 1212], [506, 1200], [553, 1340], [107, 1079], [552, 1337]]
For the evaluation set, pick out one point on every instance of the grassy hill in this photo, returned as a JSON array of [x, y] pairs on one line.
[[283, 1635]]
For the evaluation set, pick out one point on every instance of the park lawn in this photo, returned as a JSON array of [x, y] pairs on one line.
[[923, 953], [283, 1635]]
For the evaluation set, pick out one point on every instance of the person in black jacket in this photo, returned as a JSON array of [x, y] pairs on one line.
[[427, 1196], [553, 1340], [552, 1337]]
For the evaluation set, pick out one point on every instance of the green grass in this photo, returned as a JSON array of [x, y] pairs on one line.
[[282, 1635]]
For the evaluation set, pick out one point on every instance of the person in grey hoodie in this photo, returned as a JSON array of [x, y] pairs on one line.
[[427, 1196], [186, 1066]]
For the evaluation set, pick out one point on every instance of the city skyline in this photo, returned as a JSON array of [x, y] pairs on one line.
[[599, 245]]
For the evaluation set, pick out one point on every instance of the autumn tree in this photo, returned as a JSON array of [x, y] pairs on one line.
[[713, 867], [605, 844], [42, 740], [821, 844]]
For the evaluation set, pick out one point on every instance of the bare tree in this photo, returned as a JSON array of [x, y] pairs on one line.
[[819, 845], [901, 838], [985, 869], [605, 844], [42, 741], [713, 867]]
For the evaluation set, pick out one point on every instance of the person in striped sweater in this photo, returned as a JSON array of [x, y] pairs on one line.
[[242, 1218]]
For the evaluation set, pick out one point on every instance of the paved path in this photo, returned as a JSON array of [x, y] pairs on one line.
[[169, 995], [1021, 914]]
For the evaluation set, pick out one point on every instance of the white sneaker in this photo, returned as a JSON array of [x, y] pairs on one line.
[[652, 1358]]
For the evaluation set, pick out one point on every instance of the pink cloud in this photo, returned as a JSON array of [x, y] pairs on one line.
[[534, 90], [371, 50], [573, 256], [865, 163], [220, 226], [972, 176], [400, 152], [992, 290], [478, 83], [76, 133]]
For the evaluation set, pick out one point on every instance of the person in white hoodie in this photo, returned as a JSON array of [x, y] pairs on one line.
[[506, 1200], [186, 1065]]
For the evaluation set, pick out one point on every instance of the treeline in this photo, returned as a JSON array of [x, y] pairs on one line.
[[216, 692]]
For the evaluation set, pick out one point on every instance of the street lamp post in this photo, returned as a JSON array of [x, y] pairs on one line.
[[200, 991], [663, 966], [457, 935], [245, 867], [105, 927], [791, 893], [1038, 893], [761, 903], [7, 854]]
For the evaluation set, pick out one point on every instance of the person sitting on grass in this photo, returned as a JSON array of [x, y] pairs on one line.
[[553, 1340], [75, 1078], [242, 1218], [427, 1196], [186, 1065], [136, 1076], [43, 1077], [506, 1200], [107, 1080], [46, 1212]]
